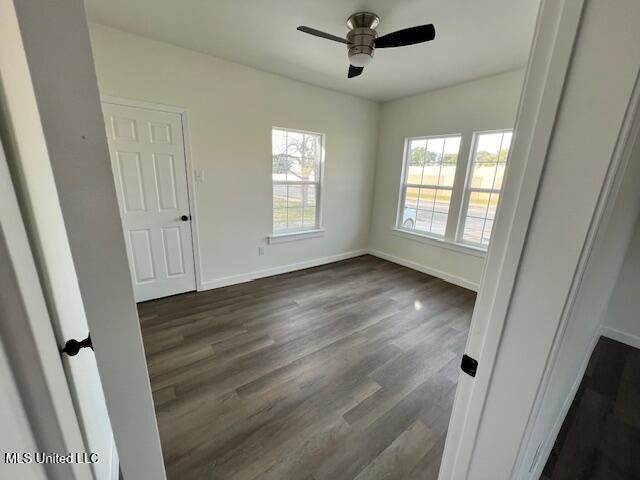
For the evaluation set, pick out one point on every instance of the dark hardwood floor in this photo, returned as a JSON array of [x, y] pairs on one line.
[[345, 371], [600, 436]]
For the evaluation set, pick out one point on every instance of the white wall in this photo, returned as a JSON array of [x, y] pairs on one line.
[[484, 104], [231, 110], [621, 319]]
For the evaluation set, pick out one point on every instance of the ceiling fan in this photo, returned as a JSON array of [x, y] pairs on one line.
[[362, 39]]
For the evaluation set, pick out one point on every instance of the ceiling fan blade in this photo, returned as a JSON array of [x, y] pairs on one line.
[[354, 71], [407, 36], [319, 33]]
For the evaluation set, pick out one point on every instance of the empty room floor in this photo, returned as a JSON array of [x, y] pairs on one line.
[[342, 371], [600, 436]]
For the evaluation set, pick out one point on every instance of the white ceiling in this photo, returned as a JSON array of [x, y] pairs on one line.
[[474, 38]]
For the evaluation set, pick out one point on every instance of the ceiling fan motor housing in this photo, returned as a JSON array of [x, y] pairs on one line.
[[361, 38]]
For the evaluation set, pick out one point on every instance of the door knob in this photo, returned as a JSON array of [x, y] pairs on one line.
[[73, 346], [184, 218]]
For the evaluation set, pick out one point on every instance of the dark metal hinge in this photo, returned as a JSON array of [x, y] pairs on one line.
[[469, 365]]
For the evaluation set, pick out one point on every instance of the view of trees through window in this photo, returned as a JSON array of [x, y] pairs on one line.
[[296, 161], [429, 174], [428, 187], [489, 162]]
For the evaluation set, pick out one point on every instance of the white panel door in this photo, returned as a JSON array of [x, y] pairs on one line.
[[149, 166]]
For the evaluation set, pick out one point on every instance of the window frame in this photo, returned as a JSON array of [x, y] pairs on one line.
[[468, 190], [303, 232], [404, 186]]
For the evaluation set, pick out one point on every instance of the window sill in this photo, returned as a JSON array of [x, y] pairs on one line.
[[294, 236], [456, 247]]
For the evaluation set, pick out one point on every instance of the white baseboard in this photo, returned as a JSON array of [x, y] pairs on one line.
[[247, 277], [462, 282], [626, 338]]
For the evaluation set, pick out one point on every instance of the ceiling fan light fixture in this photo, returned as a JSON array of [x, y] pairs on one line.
[[362, 39], [360, 59]]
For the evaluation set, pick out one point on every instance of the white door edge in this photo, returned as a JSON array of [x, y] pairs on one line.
[[191, 187], [552, 49]]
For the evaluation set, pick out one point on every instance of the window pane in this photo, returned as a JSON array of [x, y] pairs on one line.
[[423, 206], [478, 204], [296, 159], [442, 201], [473, 229], [408, 219], [311, 146], [414, 174], [431, 174], [488, 147], [294, 169], [295, 144], [279, 168], [439, 223], [308, 169], [451, 150], [500, 169], [483, 175], [504, 150], [427, 197], [423, 220], [411, 197], [279, 196], [279, 219], [309, 217], [417, 152], [294, 218], [294, 196], [447, 175], [488, 169], [309, 195], [435, 147], [431, 163]]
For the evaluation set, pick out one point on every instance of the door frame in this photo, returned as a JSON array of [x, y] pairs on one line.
[[190, 170], [551, 54]]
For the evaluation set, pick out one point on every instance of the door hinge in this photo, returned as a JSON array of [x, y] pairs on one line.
[[469, 365], [73, 346]]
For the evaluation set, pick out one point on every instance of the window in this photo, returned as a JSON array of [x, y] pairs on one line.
[[296, 175], [484, 183], [434, 207], [429, 172]]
